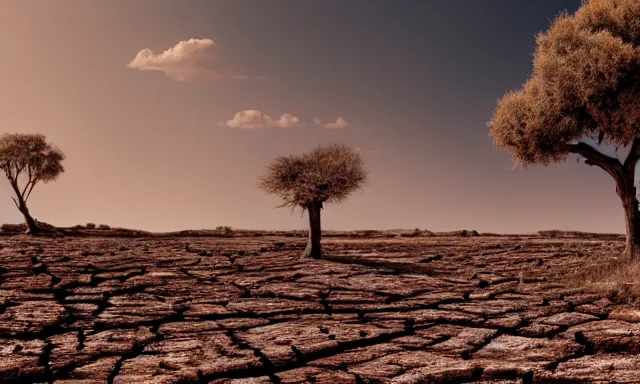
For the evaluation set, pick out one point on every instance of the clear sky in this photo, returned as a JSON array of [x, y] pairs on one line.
[[155, 141]]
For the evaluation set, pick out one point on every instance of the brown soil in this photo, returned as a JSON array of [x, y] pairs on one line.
[[440, 309]]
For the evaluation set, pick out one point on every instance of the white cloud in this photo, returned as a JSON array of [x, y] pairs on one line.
[[340, 123], [252, 119], [192, 60]]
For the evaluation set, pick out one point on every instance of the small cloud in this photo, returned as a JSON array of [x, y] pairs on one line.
[[340, 123], [367, 150], [252, 119], [192, 60]]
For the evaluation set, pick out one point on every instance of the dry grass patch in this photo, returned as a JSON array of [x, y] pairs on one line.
[[617, 279]]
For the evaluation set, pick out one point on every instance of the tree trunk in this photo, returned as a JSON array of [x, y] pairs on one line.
[[627, 192], [624, 175], [314, 247], [32, 228]]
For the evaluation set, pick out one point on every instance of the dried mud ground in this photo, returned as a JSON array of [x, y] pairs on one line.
[[248, 310]]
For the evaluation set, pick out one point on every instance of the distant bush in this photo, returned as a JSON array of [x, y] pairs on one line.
[[224, 229], [22, 227], [104, 226], [45, 226], [13, 228], [91, 226]]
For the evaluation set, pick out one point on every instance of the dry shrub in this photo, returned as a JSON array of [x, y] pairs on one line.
[[618, 280], [225, 229], [13, 228], [22, 227]]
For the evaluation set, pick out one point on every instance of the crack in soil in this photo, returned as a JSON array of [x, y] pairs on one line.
[[259, 289]]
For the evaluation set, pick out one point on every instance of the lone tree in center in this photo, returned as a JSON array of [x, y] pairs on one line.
[[584, 90], [31, 158], [324, 175]]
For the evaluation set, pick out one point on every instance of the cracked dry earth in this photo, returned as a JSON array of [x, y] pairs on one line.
[[248, 310]]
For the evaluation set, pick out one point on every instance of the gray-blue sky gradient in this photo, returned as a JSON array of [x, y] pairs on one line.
[[417, 81]]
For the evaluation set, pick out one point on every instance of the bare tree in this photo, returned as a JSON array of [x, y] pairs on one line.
[[585, 87], [31, 158], [324, 175]]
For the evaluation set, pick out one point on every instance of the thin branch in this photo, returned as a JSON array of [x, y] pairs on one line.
[[26, 186], [9, 172], [28, 182], [33, 183], [19, 169], [17, 191]]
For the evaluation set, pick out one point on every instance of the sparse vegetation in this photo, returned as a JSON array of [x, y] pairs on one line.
[[618, 280], [585, 87], [22, 227], [104, 227], [14, 228], [91, 226], [30, 157], [224, 229], [324, 175]]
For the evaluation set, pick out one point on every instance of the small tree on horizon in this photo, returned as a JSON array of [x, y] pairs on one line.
[[324, 175], [28, 157], [585, 86]]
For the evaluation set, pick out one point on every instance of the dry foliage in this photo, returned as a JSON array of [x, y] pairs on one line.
[[619, 280], [29, 155], [326, 175], [585, 83]]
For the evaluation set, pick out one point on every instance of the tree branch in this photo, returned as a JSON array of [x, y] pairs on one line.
[[9, 172], [633, 157], [19, 169], [27, 185], [16, 189], [593, 157], [33, 183], [624, 179]]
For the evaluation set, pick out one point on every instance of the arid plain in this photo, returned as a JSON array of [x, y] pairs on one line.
[[382, 309]]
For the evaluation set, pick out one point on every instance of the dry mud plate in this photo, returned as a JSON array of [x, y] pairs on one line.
[[248, 310]]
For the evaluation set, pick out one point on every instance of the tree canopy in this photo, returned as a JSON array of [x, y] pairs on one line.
[[324, 175], [29, 155], [585, 84]]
